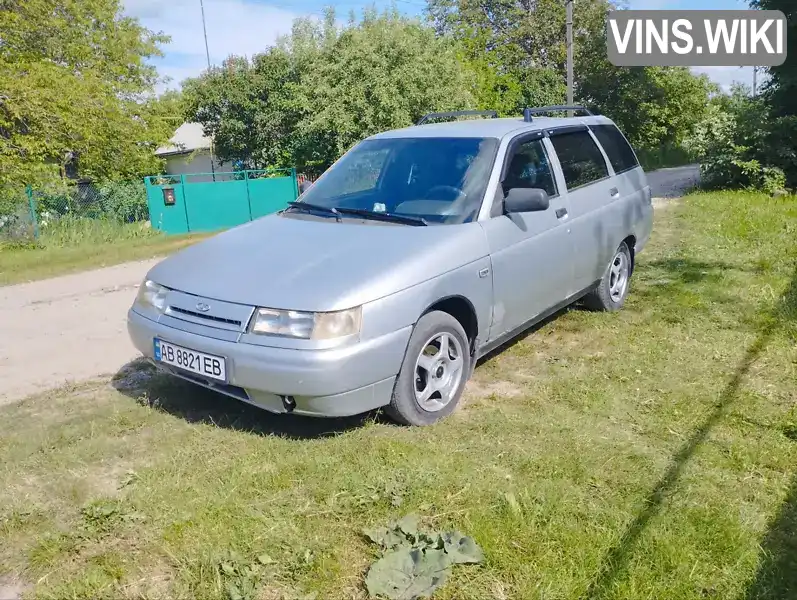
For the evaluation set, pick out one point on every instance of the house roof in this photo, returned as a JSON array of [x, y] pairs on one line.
[[187, 138]]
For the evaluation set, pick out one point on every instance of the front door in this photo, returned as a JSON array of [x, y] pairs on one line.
[[531, 252]]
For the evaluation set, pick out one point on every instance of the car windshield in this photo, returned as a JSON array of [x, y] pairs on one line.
[[439, 180]]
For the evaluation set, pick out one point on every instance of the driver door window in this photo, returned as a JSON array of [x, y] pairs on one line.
[[530, 168]]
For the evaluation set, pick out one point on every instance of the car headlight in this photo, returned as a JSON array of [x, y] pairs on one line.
[[307, 325], [152, 295]]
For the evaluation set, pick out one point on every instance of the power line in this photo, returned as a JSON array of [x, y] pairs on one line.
[[207, 54], [205, 32], [353, 4]]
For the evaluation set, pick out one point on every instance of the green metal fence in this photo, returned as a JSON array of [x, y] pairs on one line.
[[211, 201]]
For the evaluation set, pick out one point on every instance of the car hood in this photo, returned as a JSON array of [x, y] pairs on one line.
[[317, 265]]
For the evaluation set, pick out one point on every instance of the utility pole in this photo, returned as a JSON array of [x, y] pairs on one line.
[[207, 55], [569, 23], [755, 81]]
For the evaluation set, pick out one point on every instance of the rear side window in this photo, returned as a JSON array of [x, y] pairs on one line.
[[581, 159], [616, 147]]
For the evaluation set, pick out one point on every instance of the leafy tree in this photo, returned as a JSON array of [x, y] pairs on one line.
[[517, 49], [731, 144], [782, 86], [321, 89], [779, 94], [383, 73], [654, 106], [245, 106], [76, 90]]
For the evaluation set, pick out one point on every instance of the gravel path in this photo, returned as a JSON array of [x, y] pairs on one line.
[[73, 328]]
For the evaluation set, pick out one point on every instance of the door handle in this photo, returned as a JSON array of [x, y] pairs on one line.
[[561, 213], [614, 192]]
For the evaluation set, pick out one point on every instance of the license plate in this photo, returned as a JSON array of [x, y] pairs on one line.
[[205, 365]]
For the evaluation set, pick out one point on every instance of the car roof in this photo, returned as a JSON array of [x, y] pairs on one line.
[[484, 128]]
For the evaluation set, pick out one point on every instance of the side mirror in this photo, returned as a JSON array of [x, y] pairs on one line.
[[520, 200]]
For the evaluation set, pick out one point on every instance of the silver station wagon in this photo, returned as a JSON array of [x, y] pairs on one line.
[[417, 252]]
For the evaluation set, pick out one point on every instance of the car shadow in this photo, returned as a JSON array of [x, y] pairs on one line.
[[143, 382], [520, 337]]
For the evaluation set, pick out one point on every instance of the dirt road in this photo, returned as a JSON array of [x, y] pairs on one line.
[[65, 329], [73, 328], [673, 182]]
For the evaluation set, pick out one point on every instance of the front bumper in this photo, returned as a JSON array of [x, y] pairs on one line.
[[325, 383]]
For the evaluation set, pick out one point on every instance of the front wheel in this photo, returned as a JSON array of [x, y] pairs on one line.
[[613, 288], [434, 372]]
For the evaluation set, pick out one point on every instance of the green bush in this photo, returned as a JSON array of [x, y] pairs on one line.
[[126, 201], [781, 147], [16, 225], [731, 143], [16, 228], [123, 201]]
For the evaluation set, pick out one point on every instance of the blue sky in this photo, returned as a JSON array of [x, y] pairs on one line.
[[248, 26]]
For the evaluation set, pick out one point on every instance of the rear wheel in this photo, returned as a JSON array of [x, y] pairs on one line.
[[434, 372], [612, 290]]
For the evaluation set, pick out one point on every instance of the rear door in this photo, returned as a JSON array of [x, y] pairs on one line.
[[590, 191], [531, 253], [633, 207]]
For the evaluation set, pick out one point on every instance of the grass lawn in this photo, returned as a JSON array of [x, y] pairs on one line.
[[650, 453], [96, 244]]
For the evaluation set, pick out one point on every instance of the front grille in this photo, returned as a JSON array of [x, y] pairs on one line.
[[200, 315]]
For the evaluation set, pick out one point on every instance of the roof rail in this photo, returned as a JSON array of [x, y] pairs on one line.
[[528, 112], [457, 113]]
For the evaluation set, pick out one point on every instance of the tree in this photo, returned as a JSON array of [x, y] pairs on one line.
[[654, 106], [383, 73], [780, 93], [517, 49], [731, 143], [321, 89], [76, 90], [782, 85], [244, 106]]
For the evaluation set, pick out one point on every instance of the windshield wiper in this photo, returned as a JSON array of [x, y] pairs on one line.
[[311, 208], [382, 216]]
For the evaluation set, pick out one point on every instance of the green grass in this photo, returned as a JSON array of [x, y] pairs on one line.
[[78, 244], [650, 453]]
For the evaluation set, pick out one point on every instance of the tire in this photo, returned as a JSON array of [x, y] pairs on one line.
[[440, 379], [610, 295]]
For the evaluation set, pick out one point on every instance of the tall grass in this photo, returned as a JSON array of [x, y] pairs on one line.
[[76, 231]]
